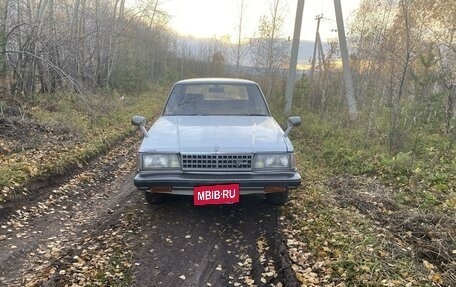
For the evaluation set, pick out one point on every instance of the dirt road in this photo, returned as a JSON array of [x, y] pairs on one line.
[[94, 228]]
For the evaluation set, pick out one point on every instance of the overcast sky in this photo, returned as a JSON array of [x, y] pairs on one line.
[[208, 18]]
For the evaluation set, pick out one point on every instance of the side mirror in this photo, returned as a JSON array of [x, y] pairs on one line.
[[140, 122], [292, 122]]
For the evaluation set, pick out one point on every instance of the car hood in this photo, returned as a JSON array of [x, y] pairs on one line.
[[208, 134]]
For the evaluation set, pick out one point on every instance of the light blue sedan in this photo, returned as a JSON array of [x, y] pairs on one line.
[[216, 140]]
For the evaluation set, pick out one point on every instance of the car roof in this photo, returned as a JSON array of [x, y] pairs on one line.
[[215, 80]]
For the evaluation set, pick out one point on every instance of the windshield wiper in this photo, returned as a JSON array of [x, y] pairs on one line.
[[254, 114], [195, 114]]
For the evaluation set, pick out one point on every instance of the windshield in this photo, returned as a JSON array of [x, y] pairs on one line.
[[216, 99]]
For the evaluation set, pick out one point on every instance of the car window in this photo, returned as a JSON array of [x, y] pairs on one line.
[[216, 99]]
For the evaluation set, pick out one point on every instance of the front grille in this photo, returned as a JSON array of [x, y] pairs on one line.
[[238, 162]]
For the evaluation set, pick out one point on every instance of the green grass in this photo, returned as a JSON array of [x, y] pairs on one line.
[[428, 170]]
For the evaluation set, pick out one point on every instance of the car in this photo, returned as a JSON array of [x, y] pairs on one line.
[[216, 141]]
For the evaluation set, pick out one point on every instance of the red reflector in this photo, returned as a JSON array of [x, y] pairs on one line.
[[270, 189], [160, 189]]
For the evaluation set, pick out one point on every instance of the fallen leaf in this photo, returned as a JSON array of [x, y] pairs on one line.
[[437, 278], [428, 265]]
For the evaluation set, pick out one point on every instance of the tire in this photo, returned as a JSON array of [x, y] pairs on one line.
[[277, 198], [154, 198]]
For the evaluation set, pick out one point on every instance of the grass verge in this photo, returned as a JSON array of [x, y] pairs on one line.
[[365, 218], [61, 132]]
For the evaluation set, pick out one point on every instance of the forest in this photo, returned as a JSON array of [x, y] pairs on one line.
[[77, 70]]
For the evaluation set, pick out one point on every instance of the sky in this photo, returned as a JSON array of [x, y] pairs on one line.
[[217, 18]]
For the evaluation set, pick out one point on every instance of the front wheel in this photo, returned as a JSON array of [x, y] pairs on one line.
[[154, 198], [277, 198]]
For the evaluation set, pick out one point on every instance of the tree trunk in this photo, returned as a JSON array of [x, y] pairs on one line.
[[450, 107], [98, 76], [396, 140]]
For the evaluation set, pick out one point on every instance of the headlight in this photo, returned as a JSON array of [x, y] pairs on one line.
[[156, 161], [272, 161]]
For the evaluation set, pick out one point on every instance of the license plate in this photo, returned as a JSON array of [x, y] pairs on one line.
[[216, 194]]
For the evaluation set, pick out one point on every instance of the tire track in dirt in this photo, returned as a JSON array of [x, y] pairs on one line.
[[226, 245], [95, 228], [35, 235]]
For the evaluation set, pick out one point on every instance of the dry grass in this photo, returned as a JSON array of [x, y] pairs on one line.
[[60, 132], [431, 234]]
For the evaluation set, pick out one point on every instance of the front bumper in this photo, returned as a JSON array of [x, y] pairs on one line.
[[183, 183]]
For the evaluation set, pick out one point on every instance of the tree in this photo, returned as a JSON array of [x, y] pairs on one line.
[[3, 15], [270, 48], [404, 60], [79, 44], [240, 48]]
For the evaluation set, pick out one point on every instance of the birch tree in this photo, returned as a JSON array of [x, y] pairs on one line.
[[270, 48], [78, 44], [3, 15], [240, 48], [404, 61]]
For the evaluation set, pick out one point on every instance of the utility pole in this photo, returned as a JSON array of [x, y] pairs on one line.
[[349, 91], [294, 57], [317, 45], [318, 82]]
